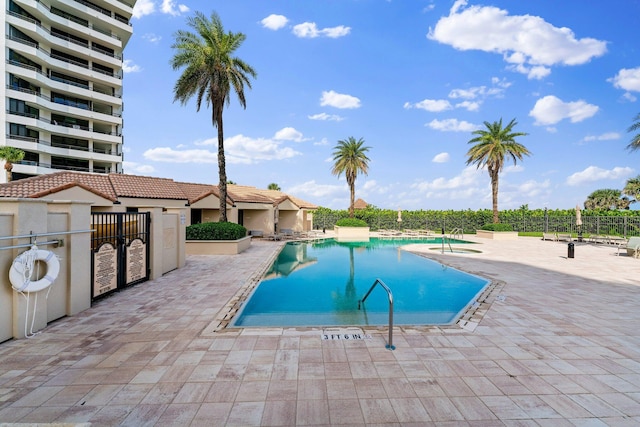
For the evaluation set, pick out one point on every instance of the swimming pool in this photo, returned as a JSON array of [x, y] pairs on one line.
[[320, 284]]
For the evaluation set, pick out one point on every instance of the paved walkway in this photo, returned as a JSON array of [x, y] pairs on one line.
[[559, 346]]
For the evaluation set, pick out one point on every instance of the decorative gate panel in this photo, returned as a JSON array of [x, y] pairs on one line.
[[120, 250]]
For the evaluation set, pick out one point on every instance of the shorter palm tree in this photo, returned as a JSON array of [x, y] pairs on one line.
[[607, 199], [10, 155], [273, 186], [635, 141], [632, 188], [491, 147], [350, 158]]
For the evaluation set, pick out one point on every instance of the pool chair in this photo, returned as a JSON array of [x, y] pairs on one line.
[[564, 237], [633, 247], [274, 236], [550, 236]]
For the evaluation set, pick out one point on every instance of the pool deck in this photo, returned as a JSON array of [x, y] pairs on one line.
[[559, 345]]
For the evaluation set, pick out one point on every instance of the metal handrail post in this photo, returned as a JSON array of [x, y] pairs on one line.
[[390, 345]]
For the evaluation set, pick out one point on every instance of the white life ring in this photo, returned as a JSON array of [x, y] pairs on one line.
[[17, 272]]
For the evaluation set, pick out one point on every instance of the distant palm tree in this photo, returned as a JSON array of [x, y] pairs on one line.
[[10, 155], [606, 199], [492, 146], [351, 159], [210, 72], [273, 186], [632, 188], [635, 142]]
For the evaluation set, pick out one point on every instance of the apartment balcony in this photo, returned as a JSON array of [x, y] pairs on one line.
[[85, 111], [75, 24], [38, 78], [27, 167], [98, 133], [97, 153], [93, 12], [76, 46], [65, 65]]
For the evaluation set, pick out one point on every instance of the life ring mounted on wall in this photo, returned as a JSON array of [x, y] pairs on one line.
[[22, 270]]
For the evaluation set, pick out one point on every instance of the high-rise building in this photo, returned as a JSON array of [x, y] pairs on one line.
[[63, 83]]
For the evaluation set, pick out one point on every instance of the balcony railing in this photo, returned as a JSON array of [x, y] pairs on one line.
[[105, 12], [65, 146], [96, 169], [63, 124], [61, 80], [66, 102], [62, 58]]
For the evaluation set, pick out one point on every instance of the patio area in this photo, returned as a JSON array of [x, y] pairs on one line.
[[559, 346]]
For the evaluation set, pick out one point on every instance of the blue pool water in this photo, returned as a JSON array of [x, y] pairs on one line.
[[319, 284]]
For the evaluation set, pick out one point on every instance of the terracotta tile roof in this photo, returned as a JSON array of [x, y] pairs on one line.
[[360, 204], [243, 193], [42, 185], [146, 187], [116, 185]]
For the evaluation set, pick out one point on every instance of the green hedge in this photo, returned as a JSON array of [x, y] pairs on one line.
[[351, 222], [216, 231]]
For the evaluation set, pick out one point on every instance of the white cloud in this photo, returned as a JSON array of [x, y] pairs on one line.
[[274, 22], [609, 136], [468, 105], [310, 30], [469, 177], [594, 173], [312, 189], [452, 125], [627, 79], [288, 134], [338, 100], [432, 105], [629, 97], [152, 38], [529, 44], [166, 154], [142, 8], [441, 158], [325, 116], [169, 7], [550, 110], [129, 67], [137, 168]]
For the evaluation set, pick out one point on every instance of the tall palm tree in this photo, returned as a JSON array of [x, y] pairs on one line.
[[632, 188], [10, 155], [210, 73], [350, 158], [635, 141], [491, 148], [606, 199], [273, 186]]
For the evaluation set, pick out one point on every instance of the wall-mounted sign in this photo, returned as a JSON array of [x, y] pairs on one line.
[[136, 260], [105, 269]]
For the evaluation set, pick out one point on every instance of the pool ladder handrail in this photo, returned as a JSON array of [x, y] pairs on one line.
[[448, 240], [457, 233], [390, 345]]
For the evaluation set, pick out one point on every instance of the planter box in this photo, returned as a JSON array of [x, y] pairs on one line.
[[351, 234], [217, 247], [497, 235]]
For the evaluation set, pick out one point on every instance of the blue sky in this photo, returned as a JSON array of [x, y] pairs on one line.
[[413, 78]]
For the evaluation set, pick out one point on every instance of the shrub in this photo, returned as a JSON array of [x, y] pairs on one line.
[[216, 231], [497, 227], [351, 222]]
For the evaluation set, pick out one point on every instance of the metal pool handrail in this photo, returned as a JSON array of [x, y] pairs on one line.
[[390, 345]]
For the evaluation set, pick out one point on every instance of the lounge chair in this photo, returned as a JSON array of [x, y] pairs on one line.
[[564, 237], [633, 247], [550, 236]]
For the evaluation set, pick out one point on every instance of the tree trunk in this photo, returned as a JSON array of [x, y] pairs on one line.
[[494, 194], [222, 170], [352, 187]]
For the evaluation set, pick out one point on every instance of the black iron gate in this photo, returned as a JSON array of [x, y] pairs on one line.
[[120, 250]]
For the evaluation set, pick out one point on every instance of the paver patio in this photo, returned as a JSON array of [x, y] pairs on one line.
[[560, 346]]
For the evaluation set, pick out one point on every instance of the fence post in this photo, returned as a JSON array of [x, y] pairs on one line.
[[546, 220]]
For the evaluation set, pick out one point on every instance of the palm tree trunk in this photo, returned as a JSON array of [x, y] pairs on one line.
[[352, 187], [222, 168], [494, 194]]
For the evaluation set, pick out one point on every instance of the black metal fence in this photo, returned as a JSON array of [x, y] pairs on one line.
[[470, 221]]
